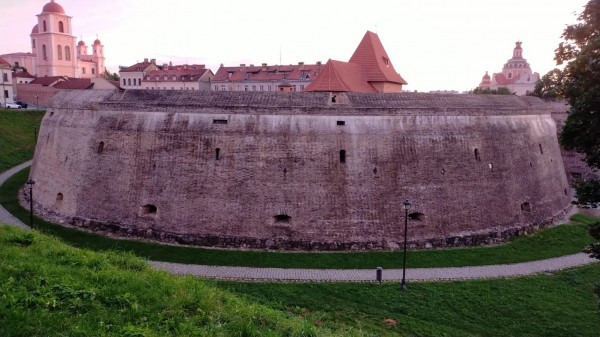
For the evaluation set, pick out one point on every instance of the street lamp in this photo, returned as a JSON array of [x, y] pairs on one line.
[[37, 101], [407, 205], [30, 182]]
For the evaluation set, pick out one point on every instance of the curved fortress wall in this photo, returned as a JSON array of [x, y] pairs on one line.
[[271, 170]]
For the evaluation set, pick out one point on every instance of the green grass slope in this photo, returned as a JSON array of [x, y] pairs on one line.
[[50, 289], [16, 136]]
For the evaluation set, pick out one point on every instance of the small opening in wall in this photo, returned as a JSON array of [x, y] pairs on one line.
[[51, 113], [59, 197], [416, 216], [530, 164], [100, 147], [333, 99], [526, 207], [443, 171], [148, 209], [375, 170], [491, 166], [220, 121], [282, 218], [218, 154], [566, 192], [541, 149], [341, 122], [342, 156], [477, 158]]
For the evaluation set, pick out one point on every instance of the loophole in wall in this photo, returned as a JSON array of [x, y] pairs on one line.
[[416, 216], [148, 210], [526, 207], [282, 218]]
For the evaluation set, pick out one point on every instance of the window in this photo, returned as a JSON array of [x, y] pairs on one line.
[[217, 154], [61, 27], [282, 218], [67, 53], [342, 156], [44, 25], [94, 71], [386, 61], [509, 75], [5, 93], [477, 158], [301, 87], [253, 88], [59, 197], [129, 81], [59, 52], [148, 210], [262, 88], [4, 77], [44, 55], [124, 81], [216, 88], [83, 70], [416, 216], [541, 149], [526, 207], [341, 122], [219, 121], [100, 148]]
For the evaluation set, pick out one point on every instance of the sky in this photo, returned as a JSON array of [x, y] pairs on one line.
[[433, 44]]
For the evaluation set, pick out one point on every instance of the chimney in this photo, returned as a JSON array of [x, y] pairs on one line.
[[264, 67], [242, 66], [153, 61], [301, 65], [145, 60]]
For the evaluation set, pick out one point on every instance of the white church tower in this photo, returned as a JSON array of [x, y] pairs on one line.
[[53, 43]]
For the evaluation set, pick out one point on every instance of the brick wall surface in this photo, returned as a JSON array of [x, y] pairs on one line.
[[473, 166]]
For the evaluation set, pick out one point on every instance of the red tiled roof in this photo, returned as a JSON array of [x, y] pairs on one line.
[[341, 76], [181, 73], [3, 62], [75, 83], [297, 72], [48, 80], [19, 54], [502, 80], [22, 74], [377, 65], [140, 66]]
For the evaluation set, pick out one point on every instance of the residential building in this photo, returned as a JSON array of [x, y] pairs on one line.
[[6, 83], [265, 78], [131, 77], [178, 77], [516, 75]]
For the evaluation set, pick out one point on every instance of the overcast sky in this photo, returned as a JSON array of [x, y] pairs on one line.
[[433, 44]]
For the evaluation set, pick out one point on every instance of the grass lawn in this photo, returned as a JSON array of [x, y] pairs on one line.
[[553, 242], [16, 136], [562, 304]]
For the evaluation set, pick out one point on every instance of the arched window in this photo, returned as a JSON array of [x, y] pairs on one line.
[[477, 155], [129, 81], [44, 25], [44, 52], [59, 52], [100, 148], [61, 27], [67, 53], [218, 154]]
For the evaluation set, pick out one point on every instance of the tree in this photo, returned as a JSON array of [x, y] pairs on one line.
[[581, 86], [549, 87], [488, 91], [111, 77]]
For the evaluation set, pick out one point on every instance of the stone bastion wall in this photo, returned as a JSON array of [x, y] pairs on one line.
[[295, 171]]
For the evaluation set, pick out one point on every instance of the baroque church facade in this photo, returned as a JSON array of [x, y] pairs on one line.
[[516, 75], [54, 51]]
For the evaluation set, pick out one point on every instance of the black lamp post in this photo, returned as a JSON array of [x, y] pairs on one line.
[[407, 205], [30, 182]]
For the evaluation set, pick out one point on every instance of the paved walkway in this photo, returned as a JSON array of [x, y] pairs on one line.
[[347, 275]]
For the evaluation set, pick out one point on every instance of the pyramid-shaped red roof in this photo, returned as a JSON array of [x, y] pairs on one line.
[[371, 55], [338, 76]]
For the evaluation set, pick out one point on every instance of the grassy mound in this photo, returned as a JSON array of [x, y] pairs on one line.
[[16, 136], [49, 289]]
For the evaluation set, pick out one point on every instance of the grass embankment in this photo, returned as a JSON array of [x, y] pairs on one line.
[[50, 289], [16, 136], [552, 242]]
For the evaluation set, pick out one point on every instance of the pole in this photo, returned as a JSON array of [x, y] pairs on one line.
[[405, 236], [31, 206]]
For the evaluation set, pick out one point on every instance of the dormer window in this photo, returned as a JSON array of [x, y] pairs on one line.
[[386, 61], [165, 77]]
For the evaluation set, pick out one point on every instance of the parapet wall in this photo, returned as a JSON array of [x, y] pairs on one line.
[[272, 170]]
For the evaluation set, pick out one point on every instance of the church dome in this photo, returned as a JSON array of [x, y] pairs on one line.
[[53, 7], [486, 77], [96, 41], [35, 30], [81, 43]]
